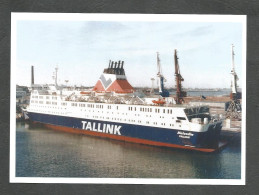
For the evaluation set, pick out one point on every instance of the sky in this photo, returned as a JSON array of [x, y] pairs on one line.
[[82, 49]]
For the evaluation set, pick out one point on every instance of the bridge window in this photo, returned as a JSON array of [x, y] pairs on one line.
[[181, 118]]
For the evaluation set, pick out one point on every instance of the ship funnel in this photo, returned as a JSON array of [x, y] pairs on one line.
[[119, 64], [122, 62], [32, 75]]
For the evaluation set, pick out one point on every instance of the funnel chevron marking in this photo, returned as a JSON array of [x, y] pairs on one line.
[[105, 82]]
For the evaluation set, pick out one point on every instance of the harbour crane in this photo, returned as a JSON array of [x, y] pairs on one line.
[[161, 79], [234, 108], [152, 90], [178, 79], [234, 94]]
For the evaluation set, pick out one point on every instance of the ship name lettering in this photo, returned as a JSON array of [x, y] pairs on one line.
[[103, 128], [99, 128], [184, 134]]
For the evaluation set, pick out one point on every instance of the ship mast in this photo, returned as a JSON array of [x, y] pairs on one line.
[[178, 79], [55, 76], [32, 76]]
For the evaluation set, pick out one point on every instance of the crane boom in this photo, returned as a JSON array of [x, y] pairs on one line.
[[234, 78], [178, 79], [161, 79]]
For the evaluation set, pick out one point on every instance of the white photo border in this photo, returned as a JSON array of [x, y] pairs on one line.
[[123, 17]]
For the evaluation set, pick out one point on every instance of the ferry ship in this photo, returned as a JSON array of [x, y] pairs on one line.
[[111, 109]]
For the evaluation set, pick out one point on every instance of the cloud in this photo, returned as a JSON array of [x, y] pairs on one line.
[[83, 49]]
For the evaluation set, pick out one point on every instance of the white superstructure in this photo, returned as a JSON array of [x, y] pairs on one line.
[[120, 109]]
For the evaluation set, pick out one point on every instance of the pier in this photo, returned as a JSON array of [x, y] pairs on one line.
[[231, 129]]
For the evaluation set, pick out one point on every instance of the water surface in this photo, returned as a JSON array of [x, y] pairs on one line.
[[42, 152]]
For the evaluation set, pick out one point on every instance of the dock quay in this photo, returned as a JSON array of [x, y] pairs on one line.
[[218, 106]]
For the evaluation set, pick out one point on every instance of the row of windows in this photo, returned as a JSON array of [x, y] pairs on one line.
[[145, 109], [73, 104], [90, 105], [118, 119], [48, 102], [157, 110], [129, 120], [42, 97], [50, 112], [131, 109], [99, 106], [169, 111], [48, 107], [142, 109]]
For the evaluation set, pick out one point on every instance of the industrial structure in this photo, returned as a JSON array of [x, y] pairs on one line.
[[234, 108], [178, 79], [161, 79]]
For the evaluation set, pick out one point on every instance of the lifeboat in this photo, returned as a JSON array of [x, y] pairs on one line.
[[85, 92], [159, 101]]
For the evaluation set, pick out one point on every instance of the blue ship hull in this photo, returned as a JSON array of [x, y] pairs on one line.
[[203, 141]]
